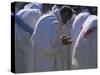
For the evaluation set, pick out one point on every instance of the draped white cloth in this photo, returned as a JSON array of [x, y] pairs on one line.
[[85, 49], [24, 61], [78, 24], [67, 52], [47, 42], [76, 28]]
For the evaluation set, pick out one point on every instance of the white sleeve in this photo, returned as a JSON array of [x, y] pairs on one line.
[[55, 35]]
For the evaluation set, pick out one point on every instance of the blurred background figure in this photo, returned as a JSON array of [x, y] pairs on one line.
[[25, 22], [78, 25], [19, 5], [36, 6], [59, 58], [67, 32], [85, 49], [47, 8], [54, 7]]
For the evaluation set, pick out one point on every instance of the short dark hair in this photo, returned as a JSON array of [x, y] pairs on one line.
[[68, 10]]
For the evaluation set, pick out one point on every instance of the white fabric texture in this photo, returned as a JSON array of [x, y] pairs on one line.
[[78, 24], [24, 61], [76, 29], [47, 42], [67, 52], [85, 49]]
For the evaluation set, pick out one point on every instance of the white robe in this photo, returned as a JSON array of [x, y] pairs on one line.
[[67, 48], [23, 47], [76, 28], [47, 43], [85, 49], [77, 25], [60, 57], [29, 16]]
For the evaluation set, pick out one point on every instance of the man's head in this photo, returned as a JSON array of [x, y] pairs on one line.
[[66, 13], [46, 8], [34, 5]]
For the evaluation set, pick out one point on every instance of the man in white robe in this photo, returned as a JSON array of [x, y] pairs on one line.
[[77, 24], [59, 57], [67, 48], [47, 41], [85, 49], [76, 28], [24, 27]]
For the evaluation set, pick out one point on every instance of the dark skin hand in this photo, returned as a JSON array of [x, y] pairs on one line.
[[66, 40]]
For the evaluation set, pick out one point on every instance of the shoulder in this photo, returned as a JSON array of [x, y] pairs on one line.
[[24, 12], [93, 17], [34, 11], [91, 20], [91, 23], [82, 15], [47, 18]]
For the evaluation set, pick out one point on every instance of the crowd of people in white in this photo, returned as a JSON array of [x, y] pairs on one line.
[[56, 40]]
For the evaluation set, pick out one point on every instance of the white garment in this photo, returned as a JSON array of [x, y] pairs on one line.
[[59, 57], [34, 5], [29, 16], [85, 49], [67, 48], [76, 28], [54, 7], [24, 51], [47, 42], [78, 24]]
